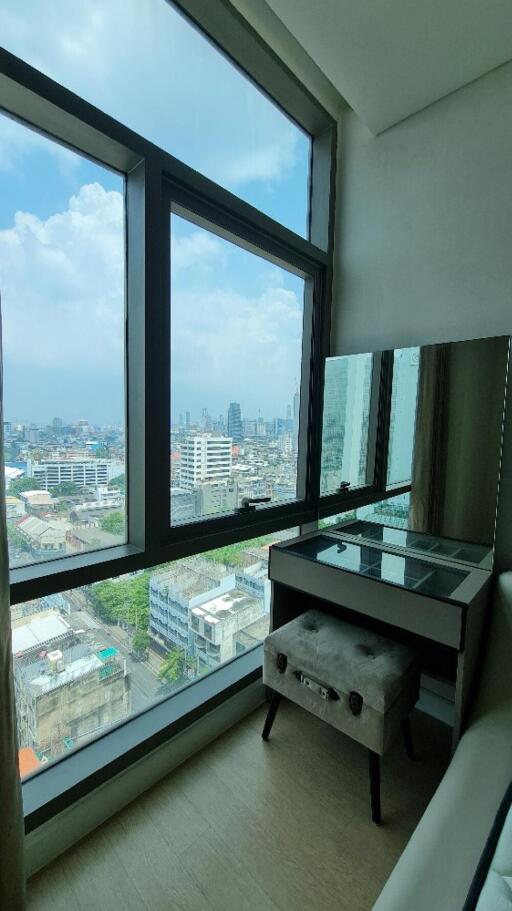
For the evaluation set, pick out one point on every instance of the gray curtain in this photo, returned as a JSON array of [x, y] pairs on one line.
[[427, 482], [12, 874]]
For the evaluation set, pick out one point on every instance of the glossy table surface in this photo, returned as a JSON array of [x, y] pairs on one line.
[[406, 572]]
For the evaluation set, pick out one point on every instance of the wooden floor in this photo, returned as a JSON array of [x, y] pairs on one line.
[[249, 826]]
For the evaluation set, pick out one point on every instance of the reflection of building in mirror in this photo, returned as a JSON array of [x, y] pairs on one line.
[[403, 414], [346, 421]]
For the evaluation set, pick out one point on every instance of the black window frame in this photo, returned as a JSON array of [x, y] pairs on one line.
[[43, 104]]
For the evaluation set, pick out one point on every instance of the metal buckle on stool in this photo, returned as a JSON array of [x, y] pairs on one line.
[[316, 686]]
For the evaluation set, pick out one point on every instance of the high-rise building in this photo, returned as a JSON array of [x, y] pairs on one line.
[[235, 422], [205, 457], [187, 421], [296, 415]]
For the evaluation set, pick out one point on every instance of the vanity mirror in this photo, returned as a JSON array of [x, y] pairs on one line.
[[424, 423]]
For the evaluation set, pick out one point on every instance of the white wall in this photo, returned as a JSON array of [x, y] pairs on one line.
[[424, 223]]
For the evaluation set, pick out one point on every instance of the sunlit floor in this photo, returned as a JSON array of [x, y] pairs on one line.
[[249, 826]]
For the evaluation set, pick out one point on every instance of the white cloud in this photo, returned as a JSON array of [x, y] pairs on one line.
[[141, 62], [197, 249], [232, 347], [62, 283]]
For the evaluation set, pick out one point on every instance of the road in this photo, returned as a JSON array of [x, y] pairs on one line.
[[145, 685]]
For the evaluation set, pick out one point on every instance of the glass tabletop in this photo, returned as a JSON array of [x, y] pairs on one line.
[[405, 572], [419, 541]]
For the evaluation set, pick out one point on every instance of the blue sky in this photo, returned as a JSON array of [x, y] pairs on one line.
[[61, 220]]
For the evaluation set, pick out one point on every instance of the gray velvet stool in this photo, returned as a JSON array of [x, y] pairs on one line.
[[364, 684]]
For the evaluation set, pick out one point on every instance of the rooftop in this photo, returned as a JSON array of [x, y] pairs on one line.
[[38, 632], [224, 606]]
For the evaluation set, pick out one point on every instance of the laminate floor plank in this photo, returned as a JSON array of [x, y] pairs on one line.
[[254, 826]]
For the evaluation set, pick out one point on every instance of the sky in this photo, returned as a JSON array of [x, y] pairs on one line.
[[237, 319]]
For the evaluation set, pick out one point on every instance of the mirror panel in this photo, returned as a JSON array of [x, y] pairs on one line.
[[445, 434]]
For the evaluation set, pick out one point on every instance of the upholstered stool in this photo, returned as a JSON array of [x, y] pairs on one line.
[[364, 684]]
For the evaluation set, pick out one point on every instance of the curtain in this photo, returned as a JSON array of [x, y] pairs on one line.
[[427, 482], [12, 874]]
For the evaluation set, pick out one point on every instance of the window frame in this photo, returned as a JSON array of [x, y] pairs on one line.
[[45, 105], [311, 264], [149, 171]]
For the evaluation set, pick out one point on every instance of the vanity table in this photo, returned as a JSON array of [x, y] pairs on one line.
[[431, 592]]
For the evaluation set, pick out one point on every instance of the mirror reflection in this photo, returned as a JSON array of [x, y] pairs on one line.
[[444, 430]]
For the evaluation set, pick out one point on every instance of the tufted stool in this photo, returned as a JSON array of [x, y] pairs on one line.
[[364, 684]]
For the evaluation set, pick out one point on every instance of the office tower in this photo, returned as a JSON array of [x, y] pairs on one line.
[[235, 422]]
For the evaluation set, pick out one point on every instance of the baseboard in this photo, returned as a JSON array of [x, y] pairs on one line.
[[57, 835]]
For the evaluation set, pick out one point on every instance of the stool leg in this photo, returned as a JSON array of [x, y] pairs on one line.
[[407, 735], [374, 767], [275, 699]]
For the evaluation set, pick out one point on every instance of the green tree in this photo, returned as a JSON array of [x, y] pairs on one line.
[[125, 599], [22, 485], [173, 667], [114, 523], [16, 539], [65, 489], [232, 555], [119, 481], [141, 641]]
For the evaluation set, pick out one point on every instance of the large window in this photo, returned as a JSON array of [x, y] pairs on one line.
[[163, 343], [236, 362], [62, 275], [87, 659], [120, 53]]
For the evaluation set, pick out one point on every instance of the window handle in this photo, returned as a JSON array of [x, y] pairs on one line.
[[343, 486], [249, 503]]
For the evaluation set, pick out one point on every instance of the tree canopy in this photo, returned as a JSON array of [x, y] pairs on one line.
[[125, 599], [114, 523], [119, 481], [65, 489], [141, 641], [232, 555], [173, 667], [21, 485]]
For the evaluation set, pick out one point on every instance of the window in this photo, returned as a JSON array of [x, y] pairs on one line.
[[403, 414], [346, 420], [393, 512], [202, 109], [163, 350], [90, 658], [62, 283], [236, 352]]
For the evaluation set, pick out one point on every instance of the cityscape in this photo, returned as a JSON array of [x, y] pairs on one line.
[[88, 658]]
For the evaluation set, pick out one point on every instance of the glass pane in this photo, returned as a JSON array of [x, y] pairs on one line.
[[403, 414], [236, 351], [63, 308], [147, 66], [89, 658], [393, 512], [406, 572], [346, 419]]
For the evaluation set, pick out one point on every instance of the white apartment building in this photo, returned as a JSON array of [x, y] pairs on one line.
[[205, 457], [82, 472]]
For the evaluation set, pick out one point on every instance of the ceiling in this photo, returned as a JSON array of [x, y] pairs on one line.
[[390, 58]]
